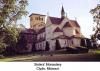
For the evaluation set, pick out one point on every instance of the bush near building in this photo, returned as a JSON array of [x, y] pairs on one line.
[[58, 47]]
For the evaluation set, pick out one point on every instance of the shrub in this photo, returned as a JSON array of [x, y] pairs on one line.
[[89, 43], [2, 47], [83, 43], [22, 43], [58, 47]]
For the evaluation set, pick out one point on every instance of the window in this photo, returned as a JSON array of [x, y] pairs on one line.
[[39, 18], [42, 19], [36, 18]]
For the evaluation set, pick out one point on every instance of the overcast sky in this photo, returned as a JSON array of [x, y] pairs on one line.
[[78, 9]]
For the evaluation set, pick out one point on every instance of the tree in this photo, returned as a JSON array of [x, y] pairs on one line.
[[22, 42], [2, 44], [96, 18], [11, 36], [10, 39], [2, 47], [10, 12], [89, 43], [58, 47]]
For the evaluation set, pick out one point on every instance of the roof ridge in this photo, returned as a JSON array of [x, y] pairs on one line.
[[55, 17]]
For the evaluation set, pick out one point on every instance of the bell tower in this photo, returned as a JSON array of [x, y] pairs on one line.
[[37, 21]]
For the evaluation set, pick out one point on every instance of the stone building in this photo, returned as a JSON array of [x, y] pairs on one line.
[[41, 39], [37, 21], [66, 31]]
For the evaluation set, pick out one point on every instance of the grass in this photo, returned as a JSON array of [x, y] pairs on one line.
[[18, 58], [97, 51], [46, 56], [30, 56], [94, 51]]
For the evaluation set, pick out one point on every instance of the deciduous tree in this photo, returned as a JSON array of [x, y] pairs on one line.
[[96, 18], [10, 12]]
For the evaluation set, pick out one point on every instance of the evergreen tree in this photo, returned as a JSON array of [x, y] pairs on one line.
[[89, 43], [83, 43], [22, 42], [58, 47]]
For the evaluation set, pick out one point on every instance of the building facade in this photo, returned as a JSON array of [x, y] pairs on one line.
[[63, 29], [66, 31], [37, 21], [41, 40], [27, 41]]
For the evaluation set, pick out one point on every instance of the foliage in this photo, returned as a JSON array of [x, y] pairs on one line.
[[10, 12], [58, 47], [2, 46], [96, 18], [12, 36], [89, 43], [83, 43], [21, 26], [22, 42]]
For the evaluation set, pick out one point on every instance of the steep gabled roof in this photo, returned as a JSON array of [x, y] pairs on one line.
[[74, 23], [77, 32], [55, 20], [67, 24], [71, 23], [58, 30], [28, 31]]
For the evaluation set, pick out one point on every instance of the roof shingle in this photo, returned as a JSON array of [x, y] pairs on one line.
[[56, 20], [71, 23]]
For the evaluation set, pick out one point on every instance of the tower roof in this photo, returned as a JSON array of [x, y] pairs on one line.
[[62, 10], [62, 13], [55, 20], [37, 14]]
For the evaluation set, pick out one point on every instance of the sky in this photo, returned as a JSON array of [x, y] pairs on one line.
[[76, 10]]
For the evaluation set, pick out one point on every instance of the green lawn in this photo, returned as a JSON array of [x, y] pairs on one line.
[[18, 58], [97, 51], [58, 55]]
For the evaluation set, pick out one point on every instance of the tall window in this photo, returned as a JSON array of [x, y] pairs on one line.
[[42, 19]]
